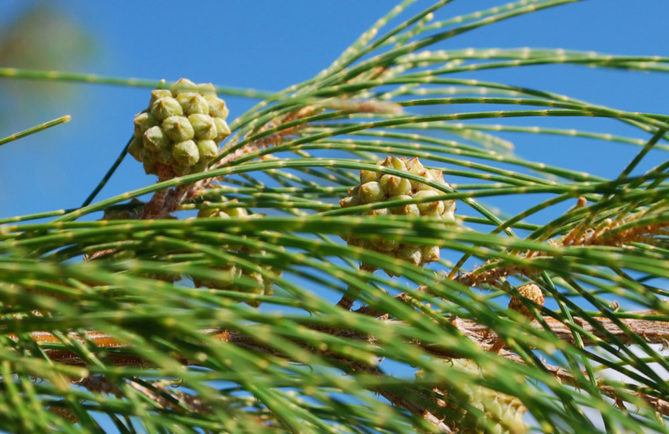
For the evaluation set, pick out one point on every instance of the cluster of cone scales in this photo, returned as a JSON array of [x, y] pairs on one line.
[[180, 131], [377, 187]]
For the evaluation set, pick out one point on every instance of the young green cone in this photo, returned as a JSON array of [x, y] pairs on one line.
[[179, 132], [531, 292], [377, 187], [233, 276], [503, 413]]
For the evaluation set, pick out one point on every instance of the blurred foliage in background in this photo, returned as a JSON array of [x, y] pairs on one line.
[[40, 36]]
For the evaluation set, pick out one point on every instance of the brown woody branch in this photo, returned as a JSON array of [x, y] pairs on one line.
[[652, 331]]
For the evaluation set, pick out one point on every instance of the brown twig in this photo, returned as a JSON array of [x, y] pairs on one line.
[[373, 311], [607, 234], [652, 331], [171, 399], [345, 302], [99, 384]]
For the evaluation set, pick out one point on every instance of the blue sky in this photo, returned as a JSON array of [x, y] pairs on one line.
[[271, 44]]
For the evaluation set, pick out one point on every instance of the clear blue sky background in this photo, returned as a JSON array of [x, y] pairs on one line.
[[270, 44]]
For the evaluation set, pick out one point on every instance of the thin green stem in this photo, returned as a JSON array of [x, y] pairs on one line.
[[36, 129]]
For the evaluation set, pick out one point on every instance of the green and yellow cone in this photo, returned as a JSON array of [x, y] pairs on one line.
[[179, 132], [376, 187]]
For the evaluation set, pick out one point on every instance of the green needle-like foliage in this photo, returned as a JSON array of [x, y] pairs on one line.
[[103, 324]]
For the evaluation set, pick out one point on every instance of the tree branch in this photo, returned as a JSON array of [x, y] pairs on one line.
[[652, 331]]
